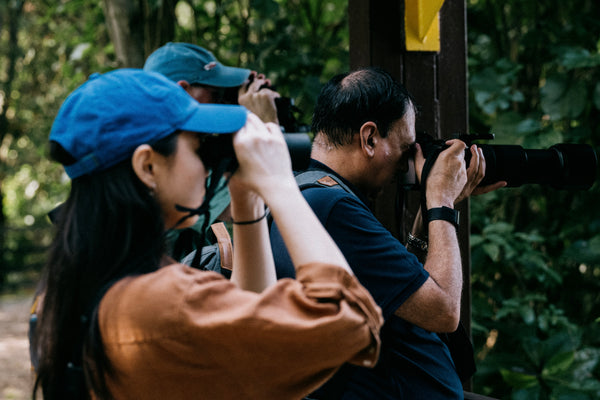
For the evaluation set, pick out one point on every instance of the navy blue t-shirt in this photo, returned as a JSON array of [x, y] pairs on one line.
[[414, 363]]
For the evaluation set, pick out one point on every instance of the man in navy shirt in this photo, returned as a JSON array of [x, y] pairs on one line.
[[364, 122]]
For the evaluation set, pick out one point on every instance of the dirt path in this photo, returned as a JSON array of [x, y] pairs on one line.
[[15, 371]]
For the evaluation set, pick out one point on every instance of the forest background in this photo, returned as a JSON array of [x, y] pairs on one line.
[[534, 80]]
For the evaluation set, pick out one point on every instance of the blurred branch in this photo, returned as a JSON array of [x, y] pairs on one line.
[[14, 10]]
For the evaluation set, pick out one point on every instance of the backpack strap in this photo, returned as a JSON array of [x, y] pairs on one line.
[[35, 309], [319, 178], [225, 246], [312, 178]]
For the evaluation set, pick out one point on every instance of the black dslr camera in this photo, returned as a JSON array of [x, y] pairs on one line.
[[216, 148], [562, 166], [295, 133]]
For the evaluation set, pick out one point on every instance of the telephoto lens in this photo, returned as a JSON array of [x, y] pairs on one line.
[[568, 166], [562, 166]]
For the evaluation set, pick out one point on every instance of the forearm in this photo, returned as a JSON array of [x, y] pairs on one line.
[[444, 262], [443, 258], [253, 265]]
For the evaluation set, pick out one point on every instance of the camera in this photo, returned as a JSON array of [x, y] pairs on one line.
[[287, 114], [562, 166], [217, 149], [220, 147]]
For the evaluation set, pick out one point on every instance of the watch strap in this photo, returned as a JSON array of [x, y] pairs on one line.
[[444, 213]]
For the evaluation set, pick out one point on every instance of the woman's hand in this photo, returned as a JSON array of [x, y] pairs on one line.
[[264, 161], [263, 157]]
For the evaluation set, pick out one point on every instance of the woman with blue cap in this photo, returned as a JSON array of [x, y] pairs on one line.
[[121, 320]]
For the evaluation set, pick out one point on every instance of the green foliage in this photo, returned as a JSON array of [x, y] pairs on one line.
[[534, 76], [534, 80], [298, 44], [59, 45]]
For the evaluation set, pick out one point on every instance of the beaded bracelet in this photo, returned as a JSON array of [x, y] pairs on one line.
[[416, 242]]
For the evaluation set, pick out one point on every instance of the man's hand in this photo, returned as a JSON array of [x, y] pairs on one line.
[[448, 175], [257, 97], [264, 160], [475, 174]]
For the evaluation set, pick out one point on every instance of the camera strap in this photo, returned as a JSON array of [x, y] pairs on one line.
[[75, 387], [211, 186], [429, 162], [458, 342]]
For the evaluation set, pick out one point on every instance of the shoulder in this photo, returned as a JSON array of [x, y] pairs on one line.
[[318, 195], [168, 285], [153, 301]]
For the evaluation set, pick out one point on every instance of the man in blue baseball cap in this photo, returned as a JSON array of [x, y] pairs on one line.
[[208, 81]]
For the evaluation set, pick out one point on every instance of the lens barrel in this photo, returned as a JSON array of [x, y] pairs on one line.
[[562, 166], [568, 166], [219, 147]]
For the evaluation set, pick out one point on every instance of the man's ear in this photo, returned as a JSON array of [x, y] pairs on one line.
[[184, 84], [142, 164], [368, 138]]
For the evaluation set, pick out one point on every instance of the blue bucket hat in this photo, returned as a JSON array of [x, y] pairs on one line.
[[194, 64], [104, 120]]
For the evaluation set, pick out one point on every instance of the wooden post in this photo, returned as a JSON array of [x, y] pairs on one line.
[[438, 82]]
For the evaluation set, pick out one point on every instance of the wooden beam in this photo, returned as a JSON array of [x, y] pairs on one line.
[[437, 80]]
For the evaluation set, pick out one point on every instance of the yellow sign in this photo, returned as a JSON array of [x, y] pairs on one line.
[[422, 24]]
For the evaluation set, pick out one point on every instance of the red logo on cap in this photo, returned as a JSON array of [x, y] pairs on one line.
[[210, 65]]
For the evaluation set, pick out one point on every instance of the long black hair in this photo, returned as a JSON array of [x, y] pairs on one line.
[[110, 227]]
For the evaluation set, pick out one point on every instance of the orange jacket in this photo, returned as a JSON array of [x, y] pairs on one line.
[[182, 333]]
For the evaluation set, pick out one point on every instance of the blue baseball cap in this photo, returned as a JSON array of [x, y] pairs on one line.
[[194, 64], [104, 120]]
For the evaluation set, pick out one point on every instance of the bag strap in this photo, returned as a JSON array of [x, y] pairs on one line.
[[335, 387], [319, 178], [225, 246], [312, 178], [458, 342], [461, 350]]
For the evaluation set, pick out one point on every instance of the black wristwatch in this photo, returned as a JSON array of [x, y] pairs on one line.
[[444, 213]]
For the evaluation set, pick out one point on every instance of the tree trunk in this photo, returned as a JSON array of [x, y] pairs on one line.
[[13, 11], [136, 28]]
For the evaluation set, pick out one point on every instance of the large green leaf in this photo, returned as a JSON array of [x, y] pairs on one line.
[[519, 380], [577, 57], [563, 97], [559, 363]]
